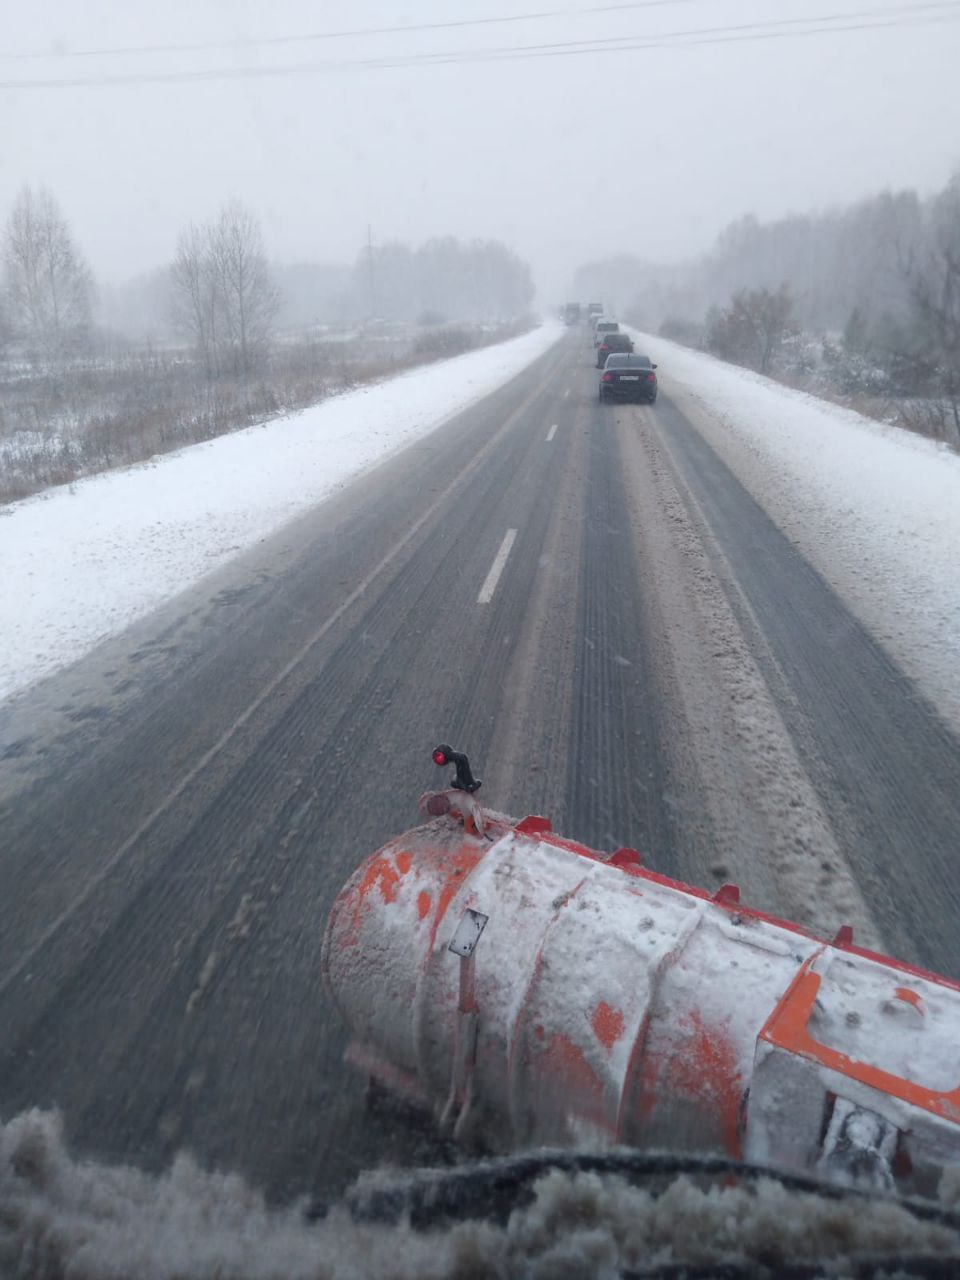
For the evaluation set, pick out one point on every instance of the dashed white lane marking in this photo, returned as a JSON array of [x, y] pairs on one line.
[[566, 393], [551, 433], [499, 560]]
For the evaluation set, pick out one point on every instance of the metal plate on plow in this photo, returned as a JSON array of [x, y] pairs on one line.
[[468, 932]]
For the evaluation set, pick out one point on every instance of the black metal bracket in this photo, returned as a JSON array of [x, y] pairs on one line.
[[464, 779]]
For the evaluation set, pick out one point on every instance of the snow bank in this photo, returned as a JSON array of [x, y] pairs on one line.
[[79, 563], [61, 1217], [874, 508]]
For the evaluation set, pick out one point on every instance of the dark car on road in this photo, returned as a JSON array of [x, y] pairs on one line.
[[610, 343], [628, 377]]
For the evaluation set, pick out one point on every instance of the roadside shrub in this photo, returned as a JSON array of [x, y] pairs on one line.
[[122, 406], [451, 340]]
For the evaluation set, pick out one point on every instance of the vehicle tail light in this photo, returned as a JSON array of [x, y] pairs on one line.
[[651, 377], [607, 377]]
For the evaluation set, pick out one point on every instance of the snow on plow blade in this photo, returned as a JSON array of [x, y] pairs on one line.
[[588, 1000]]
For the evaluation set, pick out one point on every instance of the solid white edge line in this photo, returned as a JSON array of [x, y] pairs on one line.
[[499, 560], [551, 433]]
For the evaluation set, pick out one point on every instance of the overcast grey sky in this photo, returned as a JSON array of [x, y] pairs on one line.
[[566, 157]]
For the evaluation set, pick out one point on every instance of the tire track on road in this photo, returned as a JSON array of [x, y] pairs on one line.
[[617, 784], [767, 828], [883, 765]]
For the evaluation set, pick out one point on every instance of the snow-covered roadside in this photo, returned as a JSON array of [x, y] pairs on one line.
[[79, 563], [875, 509]]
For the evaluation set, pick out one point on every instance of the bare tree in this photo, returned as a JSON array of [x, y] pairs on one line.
[[224, 295], [194, 294], [48, 285], [248, 296], [752, 328]]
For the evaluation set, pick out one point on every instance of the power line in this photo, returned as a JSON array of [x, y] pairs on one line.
[[312, 36], [704, 35], [694, 37]]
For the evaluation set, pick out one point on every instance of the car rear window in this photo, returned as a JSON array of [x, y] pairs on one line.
[[635, 362]]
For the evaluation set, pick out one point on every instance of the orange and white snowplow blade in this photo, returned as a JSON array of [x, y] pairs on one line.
[[603, 1003]]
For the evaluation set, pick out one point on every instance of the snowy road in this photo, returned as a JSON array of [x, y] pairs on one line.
[[589, 601]]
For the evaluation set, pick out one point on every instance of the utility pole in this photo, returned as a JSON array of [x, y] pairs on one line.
[[371, 302]]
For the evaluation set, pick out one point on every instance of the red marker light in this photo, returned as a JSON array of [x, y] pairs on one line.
[[607, 377], [439, 757]]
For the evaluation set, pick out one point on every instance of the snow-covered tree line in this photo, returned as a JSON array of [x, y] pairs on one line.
[[223, 295], [863, 256], [442, 280], [877, 284]]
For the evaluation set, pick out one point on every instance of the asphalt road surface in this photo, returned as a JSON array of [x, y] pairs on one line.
[[653, 665]]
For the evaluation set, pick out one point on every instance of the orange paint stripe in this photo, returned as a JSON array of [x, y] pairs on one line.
[[787, 1028]]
